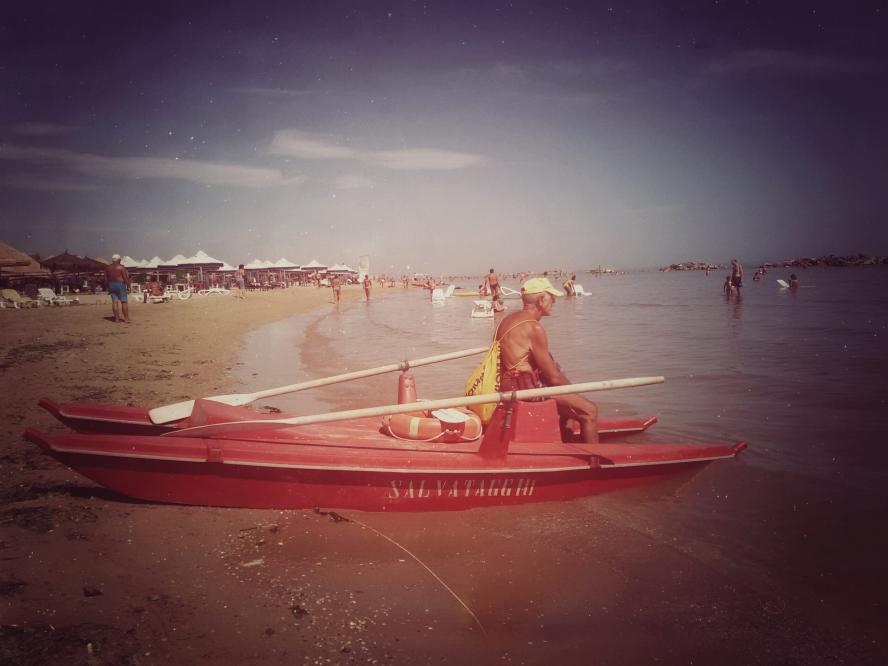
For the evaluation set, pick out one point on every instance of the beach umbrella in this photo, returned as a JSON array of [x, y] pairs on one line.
[[17, 264], [72, 263]]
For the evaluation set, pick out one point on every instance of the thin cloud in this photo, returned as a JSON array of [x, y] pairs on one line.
[[39, 129], [790, 63], [309, 147], [313, 147], [202, 173], [276, 92], [417, 159], [352, 182], [45, 184]]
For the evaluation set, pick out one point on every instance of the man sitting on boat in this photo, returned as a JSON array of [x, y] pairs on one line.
[[525, 360]]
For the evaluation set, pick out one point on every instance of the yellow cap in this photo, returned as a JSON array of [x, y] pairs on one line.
[[538, 286]]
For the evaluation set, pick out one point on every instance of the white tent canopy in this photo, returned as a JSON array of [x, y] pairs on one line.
[[314, 265], [341, 268], [202, 259], [174, 262], [285, 263]]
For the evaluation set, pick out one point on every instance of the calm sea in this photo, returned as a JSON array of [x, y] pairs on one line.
[[799, 374], [799, 518]]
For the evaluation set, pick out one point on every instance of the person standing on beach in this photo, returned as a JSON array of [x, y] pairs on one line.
[[240, 276], [118, 281], [336, 284], [366, 284], [736, 275], [525, 360]]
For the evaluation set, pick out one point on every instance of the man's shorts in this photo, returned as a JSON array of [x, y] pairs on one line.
[[117, 289]]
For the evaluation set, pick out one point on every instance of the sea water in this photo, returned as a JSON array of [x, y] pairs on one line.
[[797, 520], [798, 374]]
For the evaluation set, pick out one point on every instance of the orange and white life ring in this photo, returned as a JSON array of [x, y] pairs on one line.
[[440, 425]]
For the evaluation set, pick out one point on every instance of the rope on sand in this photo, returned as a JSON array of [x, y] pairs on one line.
[[340, 518]]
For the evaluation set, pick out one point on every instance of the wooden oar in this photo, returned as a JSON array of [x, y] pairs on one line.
[[181, 410], [271, 424]]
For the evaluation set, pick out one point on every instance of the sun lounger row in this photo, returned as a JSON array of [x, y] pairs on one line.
[[10, 298]]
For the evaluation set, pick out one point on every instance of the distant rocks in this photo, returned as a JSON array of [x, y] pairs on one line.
[[691, 266], [832, 260]]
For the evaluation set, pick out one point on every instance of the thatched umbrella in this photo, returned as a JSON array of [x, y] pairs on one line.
[[72, 263], [16, 264]]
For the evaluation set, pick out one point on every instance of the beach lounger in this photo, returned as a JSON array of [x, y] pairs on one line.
[[214, 290], [16, 300], [50, 298], [482, 309]]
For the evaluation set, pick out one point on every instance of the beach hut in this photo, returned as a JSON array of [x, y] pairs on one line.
[[314, 268], [201, 262], [343, 271], [284, 266]]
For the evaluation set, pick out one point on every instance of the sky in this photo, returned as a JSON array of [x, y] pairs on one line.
[[446, 137]]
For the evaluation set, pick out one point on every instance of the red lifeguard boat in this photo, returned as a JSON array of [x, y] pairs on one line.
[[352, 464]]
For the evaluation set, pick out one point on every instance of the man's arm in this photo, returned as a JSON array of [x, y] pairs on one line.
[[542, 358], [126, 277]]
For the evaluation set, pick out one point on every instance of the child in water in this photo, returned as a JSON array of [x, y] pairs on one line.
[[728, 287]]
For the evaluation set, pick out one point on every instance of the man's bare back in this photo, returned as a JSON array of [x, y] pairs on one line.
[[115, 272], [525, 358]]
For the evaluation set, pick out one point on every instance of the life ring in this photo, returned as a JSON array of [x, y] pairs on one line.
[[440, 425]]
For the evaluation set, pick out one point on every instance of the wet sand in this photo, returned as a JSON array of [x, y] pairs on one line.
[[90, 577]]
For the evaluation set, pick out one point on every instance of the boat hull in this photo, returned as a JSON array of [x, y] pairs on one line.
[[217, 484], [352, 464], [273, 475]]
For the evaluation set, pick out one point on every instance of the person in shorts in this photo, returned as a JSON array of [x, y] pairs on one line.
[[118, 286], [240, 279]]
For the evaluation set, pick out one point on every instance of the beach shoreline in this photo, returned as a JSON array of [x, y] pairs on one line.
[[60, 535], [649, 574]]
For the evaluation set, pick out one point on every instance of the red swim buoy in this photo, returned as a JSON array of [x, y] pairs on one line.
[[441, 425]]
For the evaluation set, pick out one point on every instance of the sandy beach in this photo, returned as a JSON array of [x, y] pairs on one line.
[[68, 591], [90, 577]]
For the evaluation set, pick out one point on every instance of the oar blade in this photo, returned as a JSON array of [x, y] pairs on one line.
[[169, 413], [181, 410]]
